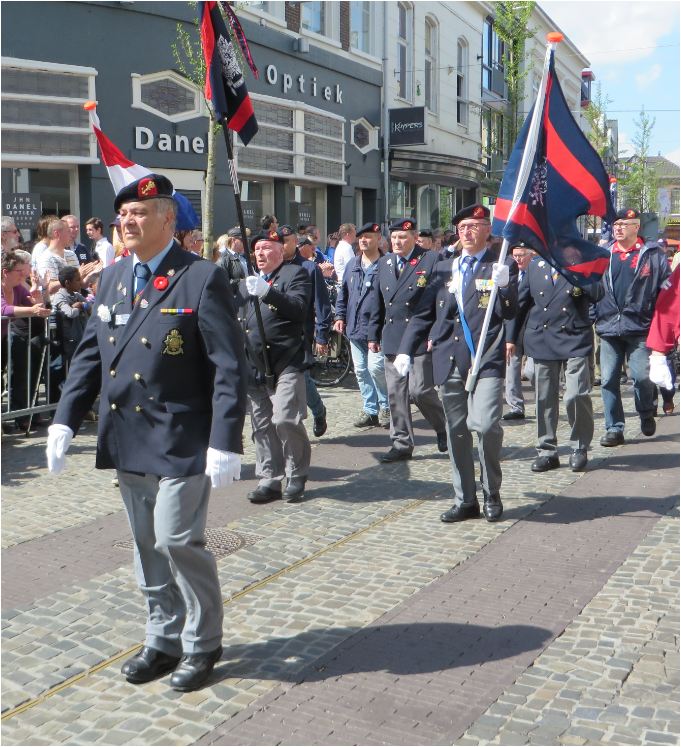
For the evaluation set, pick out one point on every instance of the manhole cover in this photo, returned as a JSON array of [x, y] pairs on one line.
[[220, 542]]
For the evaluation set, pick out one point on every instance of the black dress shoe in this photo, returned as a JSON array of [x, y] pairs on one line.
[[295, 488], [395, 455], [263, 494], [545, 463], [148, 664], [513, 415], [493, 507], [320, 424], [578, 460], [648, 426], [442, 442], [194, 670], [612, 438], [461, 512]]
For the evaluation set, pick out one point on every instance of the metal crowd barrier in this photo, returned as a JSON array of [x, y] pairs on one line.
[[31, 367]]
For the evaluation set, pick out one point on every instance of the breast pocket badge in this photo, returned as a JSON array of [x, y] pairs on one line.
[[421, 282], [173, 343]]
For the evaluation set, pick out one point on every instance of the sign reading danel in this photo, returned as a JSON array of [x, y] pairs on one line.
[[24, 207], [408, 126]]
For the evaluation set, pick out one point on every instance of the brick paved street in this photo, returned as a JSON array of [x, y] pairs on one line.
[[356, 617]]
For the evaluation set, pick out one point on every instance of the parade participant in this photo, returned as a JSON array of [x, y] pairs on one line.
[[103, 248], [450, 246], [233, 261], [553, 314], [663, 337], [163, 318], [352, 319], [317, 325], [425, 240], [454, 304], [282, 448], [345, 250], [629, 291], [401, 278], [514, 351]]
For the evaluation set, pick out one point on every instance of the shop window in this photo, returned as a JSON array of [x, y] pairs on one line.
[[42, 112], [167, 95], [361, 27], [363, 135], [431, 64]]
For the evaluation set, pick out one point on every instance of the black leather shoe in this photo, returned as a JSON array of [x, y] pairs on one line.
[[395, 455], [148, 664], [612, 438], [578, 460], [365, 420], [442, 442], [461, 513], [320, 425], [648, 426], [263, 494], [493, 507], [513, 415], [545, 463], [194, 670], [295, 488]]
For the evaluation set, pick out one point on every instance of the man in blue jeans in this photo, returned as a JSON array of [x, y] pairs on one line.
[[352, 316], [628, 293]]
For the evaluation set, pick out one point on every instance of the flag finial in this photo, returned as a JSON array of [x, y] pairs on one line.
[[89, 105], [554, 37]]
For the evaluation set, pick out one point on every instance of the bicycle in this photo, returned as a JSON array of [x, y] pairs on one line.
[[330, 370]]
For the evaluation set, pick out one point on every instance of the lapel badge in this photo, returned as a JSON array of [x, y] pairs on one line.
[[173, 343], [144, 303], [120, 287], [170, 272], [421, 282], [441, 304], [541, 263], [389, 262], [124, 291]]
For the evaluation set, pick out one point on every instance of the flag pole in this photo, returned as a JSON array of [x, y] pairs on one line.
[[552, 38], [269, 377]]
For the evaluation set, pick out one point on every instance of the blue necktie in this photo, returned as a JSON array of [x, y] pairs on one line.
[[142, 275], [467, 263], [400, 264]]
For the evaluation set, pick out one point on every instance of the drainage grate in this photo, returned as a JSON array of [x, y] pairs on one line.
[[220, 542]]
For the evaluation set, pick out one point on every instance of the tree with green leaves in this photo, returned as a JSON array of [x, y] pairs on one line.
[[597, 117], [637, 178]]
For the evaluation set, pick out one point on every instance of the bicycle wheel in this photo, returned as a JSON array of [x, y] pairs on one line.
[[331, 369]]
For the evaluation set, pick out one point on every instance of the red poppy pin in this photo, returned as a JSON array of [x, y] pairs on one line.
[[161, 282], [412, 262]]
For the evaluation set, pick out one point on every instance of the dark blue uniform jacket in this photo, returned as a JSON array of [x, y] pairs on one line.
[[353, 304]]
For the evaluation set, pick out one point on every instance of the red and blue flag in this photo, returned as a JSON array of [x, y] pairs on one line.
[[225, 86], [567, 179]]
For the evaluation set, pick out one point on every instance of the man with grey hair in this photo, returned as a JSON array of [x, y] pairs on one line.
[[165, 349], [10, 235]]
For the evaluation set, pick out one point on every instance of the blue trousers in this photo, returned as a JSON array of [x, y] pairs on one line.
[[370, 373]]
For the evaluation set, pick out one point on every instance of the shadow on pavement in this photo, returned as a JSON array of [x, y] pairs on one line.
[[400, 649]]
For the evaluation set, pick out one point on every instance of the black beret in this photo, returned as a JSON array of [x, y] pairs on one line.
[[627, 214], [369, 228], [115, 222], [146, 188], [285, 231], [403, 224], [234, 233], [265, 236], [304, 242], [426, 233], [477, 211]]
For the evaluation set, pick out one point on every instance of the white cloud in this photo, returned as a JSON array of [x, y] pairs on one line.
[[614, 32], [644, 79], [624, 144], [674, 157]]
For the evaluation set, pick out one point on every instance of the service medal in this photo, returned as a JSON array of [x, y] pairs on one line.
[[421, 282], [173, 343], [144, 303], [170, 272], [483, 301]]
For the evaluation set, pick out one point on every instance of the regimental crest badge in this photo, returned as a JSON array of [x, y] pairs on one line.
[[421, 282], [173, 343], [147, 188]]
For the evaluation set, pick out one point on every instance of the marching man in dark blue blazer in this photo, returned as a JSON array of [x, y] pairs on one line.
[[557, 334], [164, 348], [451, 314]]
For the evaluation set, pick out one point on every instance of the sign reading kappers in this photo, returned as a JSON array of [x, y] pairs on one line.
[[408, 126]]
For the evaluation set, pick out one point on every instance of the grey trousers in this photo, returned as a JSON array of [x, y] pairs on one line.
[[176, 574], [479, 412], [282, 447], [419, 385], [577, 399], [514, 386]]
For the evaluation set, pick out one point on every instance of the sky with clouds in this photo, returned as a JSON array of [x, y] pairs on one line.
[[633, 48]]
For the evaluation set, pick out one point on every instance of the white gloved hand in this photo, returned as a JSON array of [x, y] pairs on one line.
[[256, 285], [403, 364], [223, 467], [500, 275], [59, 439], [659, 371]]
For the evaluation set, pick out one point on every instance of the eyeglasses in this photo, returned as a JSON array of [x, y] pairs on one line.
[[623, 223], [474, 227]]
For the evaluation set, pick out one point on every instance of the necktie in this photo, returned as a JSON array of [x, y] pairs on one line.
[[521, 275], [554, 276], [467, 263], [400, 265], [142, 275]]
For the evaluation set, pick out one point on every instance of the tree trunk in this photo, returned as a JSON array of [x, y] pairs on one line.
[[209, 202]]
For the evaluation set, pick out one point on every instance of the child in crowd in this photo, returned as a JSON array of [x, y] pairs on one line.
[[72, 310]]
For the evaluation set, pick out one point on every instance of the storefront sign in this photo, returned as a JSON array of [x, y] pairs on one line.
[[252, 209], [301, 213], [145, 139], [308, 86], [24, 208], [408, 126]]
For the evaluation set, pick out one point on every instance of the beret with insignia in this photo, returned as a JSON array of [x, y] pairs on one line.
[[369, 228], [477, 212], [426, 233], [268, 235], [627, 214], [146, 188], [403, 224], [285, 231]]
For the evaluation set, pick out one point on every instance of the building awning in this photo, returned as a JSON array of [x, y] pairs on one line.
[[421, 167]]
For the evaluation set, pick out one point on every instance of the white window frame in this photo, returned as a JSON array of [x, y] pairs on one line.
[[50, 67], [462, 73], [373, 135], [432, 28], [331, 33], [138, 80], [408, 44], [371, 52]]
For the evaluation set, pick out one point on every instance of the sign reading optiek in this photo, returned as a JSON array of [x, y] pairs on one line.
[[408, 126]]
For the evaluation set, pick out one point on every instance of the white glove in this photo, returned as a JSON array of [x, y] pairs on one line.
[[256, 285], [59, 439], [402, 364], [659, 371], [500, 275], [223, 467]]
